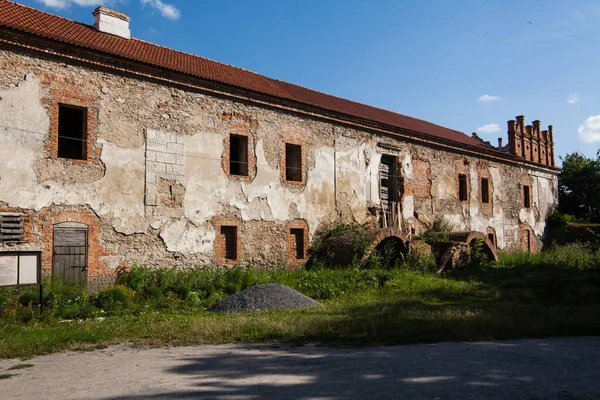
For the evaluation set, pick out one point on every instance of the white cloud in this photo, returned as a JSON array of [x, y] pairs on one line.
[[67, 3], [166, 10], [489, 128], [486, 98], [573, 98], [589, 131]]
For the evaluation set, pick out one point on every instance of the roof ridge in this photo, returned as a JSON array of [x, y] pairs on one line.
[[362, 104]]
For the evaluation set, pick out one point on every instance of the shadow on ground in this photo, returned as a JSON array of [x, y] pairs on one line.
[[564, 369]]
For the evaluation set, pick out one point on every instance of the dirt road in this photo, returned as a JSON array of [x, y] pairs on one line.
[[564, 368]]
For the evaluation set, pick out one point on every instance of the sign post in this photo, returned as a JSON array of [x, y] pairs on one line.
[[21, 268]]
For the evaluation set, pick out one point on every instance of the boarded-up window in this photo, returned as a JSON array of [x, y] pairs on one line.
[[238, 155], [298, 242], [11, 227], [462, 187], [485, 190], [72, 132], [230, 235], [526, 197], [293, 162]]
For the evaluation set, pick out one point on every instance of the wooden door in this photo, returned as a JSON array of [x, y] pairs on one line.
[[69, 260]]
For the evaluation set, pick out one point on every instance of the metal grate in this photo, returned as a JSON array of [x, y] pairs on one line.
[[11, 227]]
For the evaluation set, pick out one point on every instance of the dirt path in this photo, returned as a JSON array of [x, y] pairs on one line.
[[564, 368]]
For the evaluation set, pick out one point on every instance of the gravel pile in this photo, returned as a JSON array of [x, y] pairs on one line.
[[270, 296]]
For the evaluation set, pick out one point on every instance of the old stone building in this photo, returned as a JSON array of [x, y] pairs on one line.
[[116, 151]]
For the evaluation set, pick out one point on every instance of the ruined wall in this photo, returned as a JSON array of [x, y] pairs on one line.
[[156, 187]]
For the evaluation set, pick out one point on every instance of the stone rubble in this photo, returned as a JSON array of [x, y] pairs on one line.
[[269, 296]]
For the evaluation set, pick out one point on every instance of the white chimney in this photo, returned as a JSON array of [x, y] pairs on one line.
[[111, 21]]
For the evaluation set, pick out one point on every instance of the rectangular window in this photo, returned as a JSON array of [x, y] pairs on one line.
[[238, 155], [11, 227], [72, 132], [485, 190], [293, 162], [526, 197], [298, 242], [491, 238], [462, 187], [230, 236]]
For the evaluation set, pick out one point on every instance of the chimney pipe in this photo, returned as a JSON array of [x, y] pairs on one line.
[[500, 143], [112, 22]]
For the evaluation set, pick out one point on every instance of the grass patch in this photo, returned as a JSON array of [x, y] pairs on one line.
[[6, 376], [20, 366], [526, 295]]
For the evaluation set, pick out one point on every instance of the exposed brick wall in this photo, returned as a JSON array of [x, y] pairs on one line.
[[98, 273], [219, 247], [461, 167], [483, 172], [241, 125], [291, 242], [527, 238], [297, 136], [422, 178], [71, 91]]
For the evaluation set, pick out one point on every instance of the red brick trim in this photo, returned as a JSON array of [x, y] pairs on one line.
[[219, 245], [97, 272], [239, 124], [291, 243], [462, 168], [526, 182], [524, 228], [297, 136], [70, 92]]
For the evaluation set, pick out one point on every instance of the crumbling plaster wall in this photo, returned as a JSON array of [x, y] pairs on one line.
[[341, 170]]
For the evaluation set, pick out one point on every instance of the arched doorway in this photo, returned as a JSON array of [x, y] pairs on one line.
[[69, 251]]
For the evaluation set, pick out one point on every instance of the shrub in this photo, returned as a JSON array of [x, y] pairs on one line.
[[114, 300]]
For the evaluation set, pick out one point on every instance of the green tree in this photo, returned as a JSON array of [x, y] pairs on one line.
[[579, 187]]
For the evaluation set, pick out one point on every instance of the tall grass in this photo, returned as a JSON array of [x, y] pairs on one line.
[[523, 295]]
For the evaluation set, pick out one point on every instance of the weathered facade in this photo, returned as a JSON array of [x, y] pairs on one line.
[[115, 160]]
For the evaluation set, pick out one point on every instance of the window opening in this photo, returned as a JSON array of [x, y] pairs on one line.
[[72, 135], [230, 234], [298, 242], [485, 190], [526, 197], [391, 188], [293, 162], [491, 238], [238, 155], [528, 238], [462, 187]]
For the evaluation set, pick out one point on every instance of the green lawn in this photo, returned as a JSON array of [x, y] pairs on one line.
[[397, 307]]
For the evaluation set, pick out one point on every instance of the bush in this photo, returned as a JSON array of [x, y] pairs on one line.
[[114, 300]]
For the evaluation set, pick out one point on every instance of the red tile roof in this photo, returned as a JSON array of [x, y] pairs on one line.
[[27, 19]]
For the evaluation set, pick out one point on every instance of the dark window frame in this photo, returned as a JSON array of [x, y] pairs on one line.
[[297, 235], [230, 242], [73, 139], [238, 155], [485, 190], [463, 187], [526, 196], [294, 171]]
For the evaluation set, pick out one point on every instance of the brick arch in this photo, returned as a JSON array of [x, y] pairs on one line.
[[469, 237], [386, 236], [527, 237], [98, 274]]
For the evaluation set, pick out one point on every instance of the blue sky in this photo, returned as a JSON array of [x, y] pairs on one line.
[[470, 65]]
